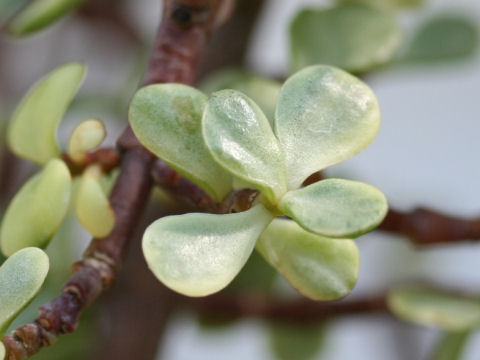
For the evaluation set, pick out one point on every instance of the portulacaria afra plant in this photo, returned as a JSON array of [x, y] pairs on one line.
[[224, 142]]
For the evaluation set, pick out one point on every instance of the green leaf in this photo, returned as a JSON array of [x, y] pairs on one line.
[[40, 14], [336, 207], [166, 118], [434, 308], [445, 37], [2, 351], [292, 341], [262, 90], [85, 137], [354, 37], [324, 116], [240, 139], [200, 254], [32, 131], [318, 267], [21, 277], [451, 346], [37, 210], [92, 206]]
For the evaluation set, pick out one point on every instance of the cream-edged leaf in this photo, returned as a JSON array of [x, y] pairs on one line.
[[336, 207], [21, 277], [323, 116], [240, 139], [37, 210], [318, 267], [200, 254], [166, 118], [32, 130]]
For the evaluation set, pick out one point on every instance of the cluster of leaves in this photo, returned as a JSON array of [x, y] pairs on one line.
[[38, 209], [323, 116]]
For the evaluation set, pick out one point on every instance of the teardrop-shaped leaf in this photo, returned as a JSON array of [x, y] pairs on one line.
[[433, 308], [451, 345], [41, 13], [32, 131], [443, 38], [354, 37], [336, 207], [324, 116], [262, 90], [85, 137], [21, 277], [200, 254], [166, 118], [240, 138], [296, 341], [92, 206], [37, 210], [318, 267]]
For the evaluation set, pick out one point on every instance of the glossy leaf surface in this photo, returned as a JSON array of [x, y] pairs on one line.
[[443, 38], [41, 13], [240, 138], [200, 254], [323, 116], [32, 131], [433, 308], [336, 207], [354, 37], [262, 90], [318, 267], [92, 206], [167, 119], [21, 277], [85, 137], [37, 210]]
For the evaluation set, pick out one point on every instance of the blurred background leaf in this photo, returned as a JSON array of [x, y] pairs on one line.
[[444, 37]]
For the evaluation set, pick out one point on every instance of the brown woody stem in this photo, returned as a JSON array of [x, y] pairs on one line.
[[181, 38]]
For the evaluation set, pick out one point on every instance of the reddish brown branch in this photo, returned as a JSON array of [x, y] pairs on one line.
[[428, 227], [229, 307], [177, 50], [107, 158]]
